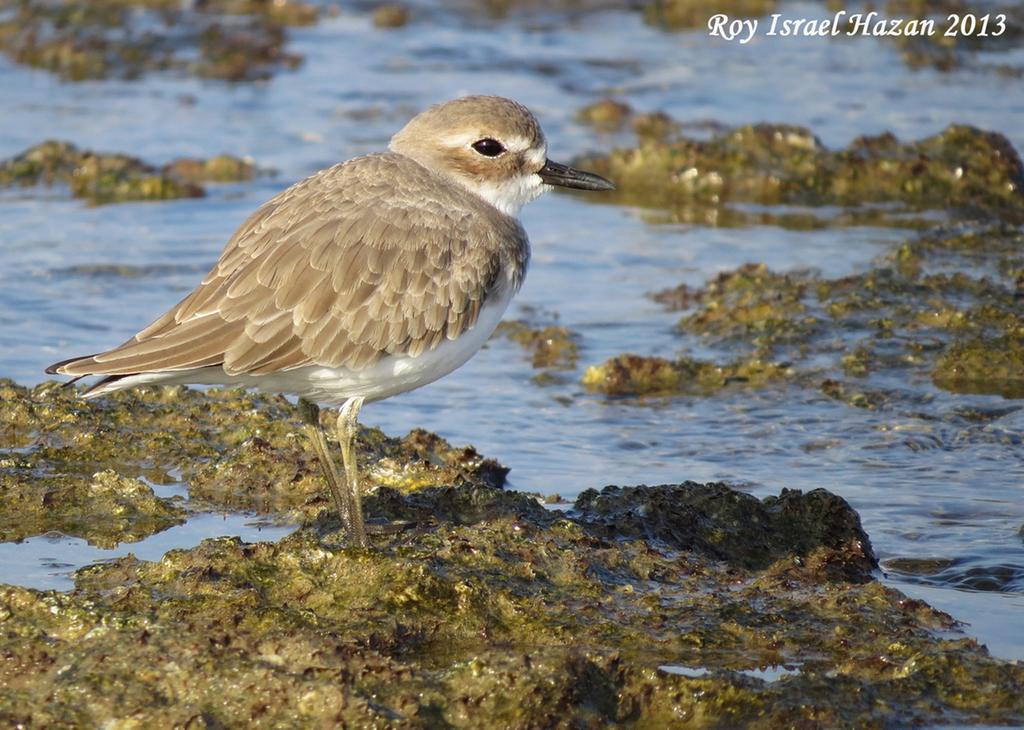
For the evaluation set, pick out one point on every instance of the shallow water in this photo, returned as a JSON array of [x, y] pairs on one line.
[[923, 490]]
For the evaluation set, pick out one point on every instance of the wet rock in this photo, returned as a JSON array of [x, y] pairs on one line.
[[754, 303], [391, 16], [941, 307], [466, 505], [99, 178], [222, 168], [113, 178], [508, 621], [105, 510], [229, 449], [249, 53], [607, 114], [635, 375], [680, 297], [853, 396], [969, 36], [238, 40], [551, 347], [962, 170], [983, 365], [738, 528], [481, 606]]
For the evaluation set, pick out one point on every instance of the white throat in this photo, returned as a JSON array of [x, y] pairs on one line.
[[509, 196]]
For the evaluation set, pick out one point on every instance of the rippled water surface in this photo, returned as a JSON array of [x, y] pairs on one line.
[[924, 492]]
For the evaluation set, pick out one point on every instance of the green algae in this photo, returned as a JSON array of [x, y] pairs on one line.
[[105, 510], [943, 307], [113, 178], [510, 621], [551, 347], [485, 609], [65, 461], [963, 171], [636, 375], [235, 40]]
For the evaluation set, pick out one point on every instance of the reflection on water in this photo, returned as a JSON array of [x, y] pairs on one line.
[[47, 561], [927, 486]]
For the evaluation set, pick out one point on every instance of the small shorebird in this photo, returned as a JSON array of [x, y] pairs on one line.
[[368, 279]]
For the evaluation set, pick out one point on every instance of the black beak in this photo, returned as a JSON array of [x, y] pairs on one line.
[[555, 174]]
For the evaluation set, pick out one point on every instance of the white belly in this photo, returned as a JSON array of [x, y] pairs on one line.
[[390, 376], [396, 373]]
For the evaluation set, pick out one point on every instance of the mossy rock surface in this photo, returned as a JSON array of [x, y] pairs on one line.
[[512, 620], [965, 171], [480, 607], [114, 178], [944, 308], [65, 463], [233, 40]]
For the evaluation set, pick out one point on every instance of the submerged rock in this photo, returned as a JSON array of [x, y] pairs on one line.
[[113, 178]]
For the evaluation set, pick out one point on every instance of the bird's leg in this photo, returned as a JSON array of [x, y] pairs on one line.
[[310, 413], [348, 425]]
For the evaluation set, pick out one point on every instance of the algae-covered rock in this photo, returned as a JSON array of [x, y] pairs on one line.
[[231, 450], [752, 302], [507, 621], [113, 178], [652, 376], [222, 168], [605, 114], [943, 307], [962, 29], [105, 510], [962, 170], [552, 347], [390, 16], [738, 528], [479, 607], [237, 40], [99, 178], [983, 365]]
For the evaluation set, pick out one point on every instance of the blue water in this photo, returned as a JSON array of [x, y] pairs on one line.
[[592, 268]]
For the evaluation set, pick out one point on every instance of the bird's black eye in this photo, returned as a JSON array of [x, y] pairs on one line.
[[488, 147]]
